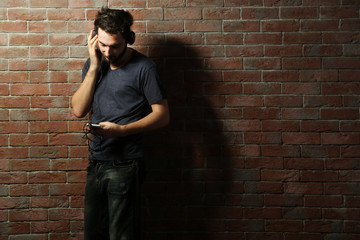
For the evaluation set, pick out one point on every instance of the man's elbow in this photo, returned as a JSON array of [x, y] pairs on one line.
[[77, 114]]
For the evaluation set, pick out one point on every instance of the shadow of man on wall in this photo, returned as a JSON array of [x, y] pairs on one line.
[[186, 194]]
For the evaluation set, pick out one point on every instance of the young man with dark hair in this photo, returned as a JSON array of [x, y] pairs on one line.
[[122, 90]]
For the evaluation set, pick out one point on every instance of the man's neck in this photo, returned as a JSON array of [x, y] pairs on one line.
[[123, 59]]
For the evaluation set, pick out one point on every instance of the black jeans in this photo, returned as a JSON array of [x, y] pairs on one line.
[[112, 206]]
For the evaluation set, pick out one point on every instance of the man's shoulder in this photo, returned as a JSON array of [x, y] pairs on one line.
[[142, 60]]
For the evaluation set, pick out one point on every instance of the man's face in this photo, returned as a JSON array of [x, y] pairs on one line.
[[111, 45]]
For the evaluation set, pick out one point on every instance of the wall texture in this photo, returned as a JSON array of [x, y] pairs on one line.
[[264, 141]]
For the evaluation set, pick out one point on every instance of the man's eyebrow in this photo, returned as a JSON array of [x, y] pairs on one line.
[[115, 45]]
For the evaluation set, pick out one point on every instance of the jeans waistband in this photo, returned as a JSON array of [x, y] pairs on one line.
[[92, 161]]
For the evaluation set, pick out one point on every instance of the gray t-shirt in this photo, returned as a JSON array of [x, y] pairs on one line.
[[123, 96]]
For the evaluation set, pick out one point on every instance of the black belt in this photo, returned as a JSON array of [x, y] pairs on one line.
[[92, 161]]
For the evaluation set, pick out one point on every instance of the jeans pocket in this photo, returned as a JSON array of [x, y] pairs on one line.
[[121, 179], [124, 164]]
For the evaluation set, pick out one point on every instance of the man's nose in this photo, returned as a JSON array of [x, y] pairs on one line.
[[107, 51]]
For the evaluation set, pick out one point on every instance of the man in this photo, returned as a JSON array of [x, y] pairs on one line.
[[122, 90]]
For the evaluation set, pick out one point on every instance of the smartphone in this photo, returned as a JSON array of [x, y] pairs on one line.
[[93, 125], [94, 33]]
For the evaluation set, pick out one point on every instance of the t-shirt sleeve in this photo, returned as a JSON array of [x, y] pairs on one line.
[[153, 88]]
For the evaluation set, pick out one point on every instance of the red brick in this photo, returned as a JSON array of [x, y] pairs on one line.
[[14, 102], [28, 215], [223, 63], [319, 176], [263, 113], [29, 190], [259, 13], [283, 101], [320, 151], [277, 3], [66, 14], [245, 51], [301, 138], [329, 50], [28, 65], [221, 88], [319, 25], [350, 126], [11, 27], [63, 65], [13, 52], [50, 226], [304, 114], [237, 101], [28, 140], [340, 138], [48, 3], [262, 63], [30, 165], [204, 3], [302, 213], [15, 203], [165, 26], [30, 89], [280, 175], [340, 38], [281, 76], [27, 14], [235, 3], [283, 51], [319, 126], [339, 12], [66, 189], [303, 188], [48, 52], [225, 38], [319, 75], [280, 126], [349, 24], [299, 12], [267, 213], [262, 138], [242, 125], [323, 201], [280, 151], [221, 13], [322, 101], [203, 26], [262, 88], [301, 63], [182, 13], [263, 38], [280, 26], [47, 27], [342, 63], [54, 151], [26, 115], [66, 214], [15, 228], [346, 114], [323, 226], [350, 151], [25, 40], [306, 163], [13, 153], [286, 226]]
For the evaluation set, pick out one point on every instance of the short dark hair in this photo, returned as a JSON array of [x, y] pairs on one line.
[[114, 21]]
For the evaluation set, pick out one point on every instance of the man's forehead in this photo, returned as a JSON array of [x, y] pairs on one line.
[[110, 39]]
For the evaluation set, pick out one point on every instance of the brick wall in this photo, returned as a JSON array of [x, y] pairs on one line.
[[264, 141]]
